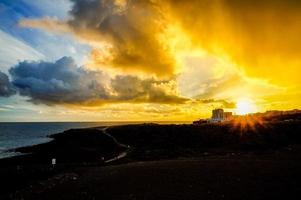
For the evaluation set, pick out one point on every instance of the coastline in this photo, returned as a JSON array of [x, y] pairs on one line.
[[25, 134], [151, 148]]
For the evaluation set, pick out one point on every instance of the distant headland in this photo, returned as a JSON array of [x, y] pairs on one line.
[[219, 115]]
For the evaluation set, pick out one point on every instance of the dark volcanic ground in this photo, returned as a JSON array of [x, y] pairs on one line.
[[219, 178], [161, 162]]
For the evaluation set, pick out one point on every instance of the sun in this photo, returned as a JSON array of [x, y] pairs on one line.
[[245, 106]]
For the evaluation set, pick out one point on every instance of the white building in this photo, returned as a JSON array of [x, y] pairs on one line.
[[218, 115]]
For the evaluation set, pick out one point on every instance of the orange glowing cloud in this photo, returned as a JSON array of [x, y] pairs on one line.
[[207, 49]]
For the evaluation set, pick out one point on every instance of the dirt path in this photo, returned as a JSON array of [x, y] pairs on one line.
[[122, 154]]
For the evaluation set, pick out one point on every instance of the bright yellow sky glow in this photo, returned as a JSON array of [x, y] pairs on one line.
[[245, 106], [178, 60]]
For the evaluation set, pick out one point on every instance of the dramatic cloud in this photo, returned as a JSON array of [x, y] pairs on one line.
[[214, 52], [133, 34], [124, 34], [59, 82], [6, 89], [223, 103], [63, 82], [147, 35], [148, 90], [261, 37]]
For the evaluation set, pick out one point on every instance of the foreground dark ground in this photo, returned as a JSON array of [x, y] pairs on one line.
[[218, 178], [161, 162]]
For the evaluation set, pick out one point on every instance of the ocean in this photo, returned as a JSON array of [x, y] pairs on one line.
[[21, 134]]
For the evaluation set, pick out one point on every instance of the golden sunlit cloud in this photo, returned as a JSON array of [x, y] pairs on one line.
[[257, 36], [246, 52], [125, 36]]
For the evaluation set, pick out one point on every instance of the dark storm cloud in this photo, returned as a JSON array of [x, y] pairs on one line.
[[6, 89], [63, 82], [59, 82], [148, 90]]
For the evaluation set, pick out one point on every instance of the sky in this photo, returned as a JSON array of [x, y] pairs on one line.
[[151, 60]]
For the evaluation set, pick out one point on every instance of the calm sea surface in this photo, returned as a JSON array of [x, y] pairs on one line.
[[19, 134]]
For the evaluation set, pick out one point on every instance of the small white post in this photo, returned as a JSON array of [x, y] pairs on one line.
[[53, 162]]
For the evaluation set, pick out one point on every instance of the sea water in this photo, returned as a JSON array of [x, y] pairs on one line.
[[21, 134]]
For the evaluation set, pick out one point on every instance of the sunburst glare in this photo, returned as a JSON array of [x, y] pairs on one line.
[[245, 106]]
